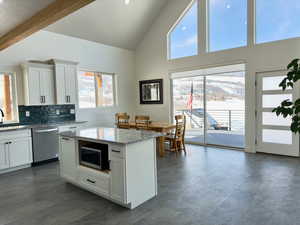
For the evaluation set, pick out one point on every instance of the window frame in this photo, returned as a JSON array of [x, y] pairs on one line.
[[182, 15], [14, 95], [114, 85]]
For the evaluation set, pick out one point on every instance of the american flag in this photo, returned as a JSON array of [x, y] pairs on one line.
[[190, 100]]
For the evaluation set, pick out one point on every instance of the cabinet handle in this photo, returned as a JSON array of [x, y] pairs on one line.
[[66, 98], [41, 99], [116, 151], [66, 139], [90, 181], [69, 98], [44, 99]]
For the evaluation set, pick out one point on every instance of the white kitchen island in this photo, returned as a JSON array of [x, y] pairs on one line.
[[131, 176]]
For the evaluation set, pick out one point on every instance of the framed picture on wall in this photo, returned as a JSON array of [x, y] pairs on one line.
[[151, 91]]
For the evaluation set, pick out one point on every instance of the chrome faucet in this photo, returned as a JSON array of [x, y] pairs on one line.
[[2, 116]]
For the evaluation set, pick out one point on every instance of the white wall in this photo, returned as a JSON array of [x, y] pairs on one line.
[[152, 63], [90, 55]]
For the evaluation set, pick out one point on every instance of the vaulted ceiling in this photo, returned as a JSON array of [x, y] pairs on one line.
[[109, 22]]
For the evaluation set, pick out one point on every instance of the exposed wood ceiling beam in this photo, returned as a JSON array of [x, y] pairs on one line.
[[52, 13]]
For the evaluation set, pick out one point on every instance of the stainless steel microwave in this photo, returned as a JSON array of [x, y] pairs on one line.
[[96, 158]]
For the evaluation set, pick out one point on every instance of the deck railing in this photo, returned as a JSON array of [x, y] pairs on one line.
[[217, 119]]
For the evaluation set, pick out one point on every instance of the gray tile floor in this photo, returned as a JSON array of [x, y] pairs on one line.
[[206, 187]]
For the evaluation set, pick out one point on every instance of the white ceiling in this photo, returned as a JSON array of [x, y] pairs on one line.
[[14, 12], [111, 22]]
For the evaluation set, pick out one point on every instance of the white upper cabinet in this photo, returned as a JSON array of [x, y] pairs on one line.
[[66, 82], [47, 86], [38, 84]]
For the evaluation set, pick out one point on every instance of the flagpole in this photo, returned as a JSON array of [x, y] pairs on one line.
[[192, 93]]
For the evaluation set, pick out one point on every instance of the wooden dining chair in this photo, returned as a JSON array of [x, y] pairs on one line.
[[117, 115], [123, 122], [142, 122], [176, 140]]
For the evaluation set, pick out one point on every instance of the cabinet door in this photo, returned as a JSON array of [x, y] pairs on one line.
[[68, 168], [4, 162], [34, 95], [117, 179], [60, 84], [20, 152], [47, 86], [70, 83]]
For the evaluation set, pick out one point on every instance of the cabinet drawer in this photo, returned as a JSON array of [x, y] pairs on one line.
[[98, 182], [15, 134], [117, 151]]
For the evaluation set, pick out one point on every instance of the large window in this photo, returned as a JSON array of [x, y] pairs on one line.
[[227, 24], [8, 97], [183, 38], [277, 20], [96, 89]]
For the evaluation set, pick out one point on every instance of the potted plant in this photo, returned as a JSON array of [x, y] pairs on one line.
[[289, 107]]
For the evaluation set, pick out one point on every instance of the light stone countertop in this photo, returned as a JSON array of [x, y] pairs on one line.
[[18, 126], [112, 135]]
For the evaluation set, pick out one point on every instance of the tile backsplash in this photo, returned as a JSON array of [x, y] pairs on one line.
[[46, 114]]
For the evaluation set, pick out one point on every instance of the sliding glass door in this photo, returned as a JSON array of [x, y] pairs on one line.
[[188, 99], [214, 105], [225, 109]]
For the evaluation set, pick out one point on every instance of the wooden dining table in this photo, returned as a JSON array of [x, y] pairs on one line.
[[161, 127]]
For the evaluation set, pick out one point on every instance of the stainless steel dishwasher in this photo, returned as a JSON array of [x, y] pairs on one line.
[[45, 144]]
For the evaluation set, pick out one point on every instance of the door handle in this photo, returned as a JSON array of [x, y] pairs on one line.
[[66, 139], [46, 131], [116, 151], [90, 181]]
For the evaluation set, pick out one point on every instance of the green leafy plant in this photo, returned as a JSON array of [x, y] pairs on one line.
[[289, 108]]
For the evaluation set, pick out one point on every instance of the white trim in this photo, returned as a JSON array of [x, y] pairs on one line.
[[229, 68], [14, 93]]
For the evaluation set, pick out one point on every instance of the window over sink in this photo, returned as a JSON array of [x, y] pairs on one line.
[[8, 100], [96, 89]]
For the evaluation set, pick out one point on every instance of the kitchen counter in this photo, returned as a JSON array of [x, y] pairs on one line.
[[126, 173], [20, 126], [112, 135]]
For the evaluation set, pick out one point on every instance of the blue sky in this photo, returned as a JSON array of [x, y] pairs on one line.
[[275, 20]]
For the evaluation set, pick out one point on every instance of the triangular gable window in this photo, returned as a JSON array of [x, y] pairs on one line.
[[183, 38]]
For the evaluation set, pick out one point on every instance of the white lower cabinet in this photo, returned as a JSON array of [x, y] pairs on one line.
[[95, 181], [4, 161], [68, 159], [117, 179], [15, 149], [20, 152]]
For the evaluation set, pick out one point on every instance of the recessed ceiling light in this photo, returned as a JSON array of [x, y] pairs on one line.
[[1, 1], [126, 2]]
